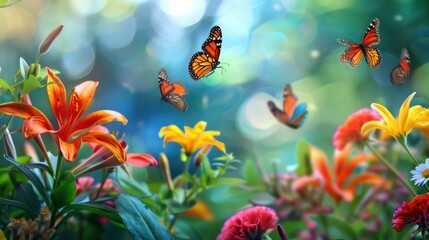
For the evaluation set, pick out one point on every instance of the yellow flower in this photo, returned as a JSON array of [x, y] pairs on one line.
[[400, 127], [193, 138]]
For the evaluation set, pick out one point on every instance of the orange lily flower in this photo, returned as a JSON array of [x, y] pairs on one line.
[[337, 183], [69, 136]]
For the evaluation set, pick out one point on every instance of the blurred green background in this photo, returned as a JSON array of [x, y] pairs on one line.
[[266, 44]]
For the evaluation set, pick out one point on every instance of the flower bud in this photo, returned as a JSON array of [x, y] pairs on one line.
[[34, 69], [8, 144], [47, 42], [165, 166], [198, 158]]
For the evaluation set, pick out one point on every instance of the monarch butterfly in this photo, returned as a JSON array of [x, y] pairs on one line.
[[293, 114], [204, 63], [172, 92], [401, 72], [354, 53]]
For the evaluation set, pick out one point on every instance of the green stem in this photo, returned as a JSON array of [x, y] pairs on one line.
[[391, 168], [424, 233], [103, 181], [409, 153], [58, 169], [187, 160], [37, 59]]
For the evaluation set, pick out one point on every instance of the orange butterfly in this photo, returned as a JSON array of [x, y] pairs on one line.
[[202, 64], [401, 72], [293, 114], [172, 92], [354, 53]]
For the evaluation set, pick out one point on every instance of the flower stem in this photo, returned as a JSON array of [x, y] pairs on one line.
[[404, 144], [103, 181], [58, 169], [391, 168]]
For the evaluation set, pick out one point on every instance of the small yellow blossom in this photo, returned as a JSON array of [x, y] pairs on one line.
[[193, 138], [400, 127]]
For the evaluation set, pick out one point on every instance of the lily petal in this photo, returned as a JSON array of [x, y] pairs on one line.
[[34, 126], [386, 115], [370, 126], [97, 118], [403, 113], [141, 160], [171, 130], [368, 178], [57, 96], [70, 150], [80, 98], [305, 181]]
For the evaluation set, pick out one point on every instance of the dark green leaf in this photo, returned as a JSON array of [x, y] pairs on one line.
[[304, 162], [186, 177], [139, 220], [16, 204], [23, 67], [30, 85], [184, 230], [177, 207], [33, 179], [26, 195], [93, 207], [41, 166], [6, 85], [65, 192]]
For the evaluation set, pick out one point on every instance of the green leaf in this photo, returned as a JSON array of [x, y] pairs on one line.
[[207, 174], [263, 198], [30, 85], [6, 3], [139, 220], [41, 166], [93, 207], [338, 229], [65, 192], [178, 207], [23, 67], [251, 173], [6, 85], [33, 179], [226, 181], [16, 204], [26, 195], [23, 159], [304, 162]]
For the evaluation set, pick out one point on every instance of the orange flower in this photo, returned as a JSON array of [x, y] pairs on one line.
[[350, 130], [337, 183], [72, 126]]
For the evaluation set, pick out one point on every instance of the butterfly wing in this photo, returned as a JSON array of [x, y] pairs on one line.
[[372, 57], [201, 65], [177, 101], [277, 113], [351, 55], [293, 114], [204, 63], [165, 86], [299, 116], [179, 88], [401, 72], [371, 37], [213, 44]]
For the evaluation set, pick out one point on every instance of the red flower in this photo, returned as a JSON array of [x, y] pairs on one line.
[[416, 212], [84, 184], [350, 130], [251, 223]]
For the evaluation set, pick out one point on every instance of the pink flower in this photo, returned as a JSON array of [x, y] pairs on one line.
[[250, 223], [416, 212], [84, 184], [350, 130], [108, 188]]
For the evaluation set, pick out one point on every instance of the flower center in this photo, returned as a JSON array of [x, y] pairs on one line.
[[425, 173]]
